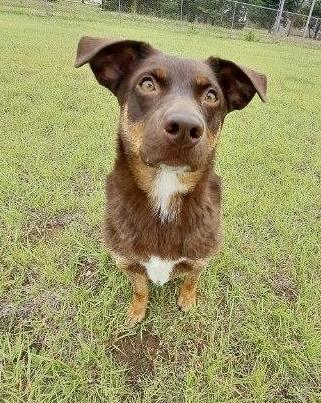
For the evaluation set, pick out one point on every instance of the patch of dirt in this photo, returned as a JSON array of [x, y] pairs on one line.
[[24, 175], [272, 230], [62, 220], [39, 226], [30, 277], [83, 184], [284, 286], [15, 314], [87, 272], [93, 231], [305, 168], [138, 353]]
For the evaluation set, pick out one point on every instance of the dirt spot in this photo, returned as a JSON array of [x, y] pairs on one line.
[[83, 184], [87, 271], [305, 168], [311, 138], [93, 231], [24, 175], [21, 314], [298, 217], [39, 226], [284, 392], [59, 222], [30, 277], [138, 353], [284, 286]]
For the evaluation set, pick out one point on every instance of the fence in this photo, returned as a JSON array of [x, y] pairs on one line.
[[231, 14], [224, 13]]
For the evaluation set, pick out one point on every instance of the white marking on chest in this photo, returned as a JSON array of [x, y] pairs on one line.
[[166, 185], [159, 270]]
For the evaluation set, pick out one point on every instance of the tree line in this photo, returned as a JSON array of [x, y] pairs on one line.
[[216, 12]]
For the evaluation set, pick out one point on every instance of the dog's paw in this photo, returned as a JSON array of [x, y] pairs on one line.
[[136, 313], [186, 300]]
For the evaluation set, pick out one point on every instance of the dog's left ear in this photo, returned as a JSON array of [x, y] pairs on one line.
[[111, 60], [239, 84]]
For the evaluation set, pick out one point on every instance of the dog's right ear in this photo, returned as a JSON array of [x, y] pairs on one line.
[[111, 60], [239, 84]]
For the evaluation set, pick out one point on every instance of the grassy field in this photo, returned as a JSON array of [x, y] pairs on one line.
[[255, 335]]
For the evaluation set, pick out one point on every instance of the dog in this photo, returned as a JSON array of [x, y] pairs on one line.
[[163, 214]]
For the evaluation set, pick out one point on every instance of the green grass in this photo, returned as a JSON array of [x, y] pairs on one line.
[[255, 335]]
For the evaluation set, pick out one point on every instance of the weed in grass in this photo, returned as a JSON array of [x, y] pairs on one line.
[[249, 36]]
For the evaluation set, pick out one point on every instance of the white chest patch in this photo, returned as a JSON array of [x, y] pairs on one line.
[[159, 270], [167, 183]]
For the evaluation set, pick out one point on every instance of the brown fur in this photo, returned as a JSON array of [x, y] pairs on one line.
[[202, 81], [195, 235], [171, 120], [187, 294], [138, 306], [161, 74]]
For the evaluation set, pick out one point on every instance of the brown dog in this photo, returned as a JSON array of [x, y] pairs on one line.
[[163, 214]]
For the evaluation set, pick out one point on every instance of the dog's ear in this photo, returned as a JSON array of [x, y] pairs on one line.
[[111, 60], [239, 84]]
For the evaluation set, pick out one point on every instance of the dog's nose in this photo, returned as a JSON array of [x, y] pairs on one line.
[[187, 129]]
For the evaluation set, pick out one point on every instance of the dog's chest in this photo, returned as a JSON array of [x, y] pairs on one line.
[[159, 270], [167, 184]]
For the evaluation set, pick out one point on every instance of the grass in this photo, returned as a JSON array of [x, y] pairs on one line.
[[255, 335]]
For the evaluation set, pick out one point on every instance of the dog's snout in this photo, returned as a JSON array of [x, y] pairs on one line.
[[184, 128]]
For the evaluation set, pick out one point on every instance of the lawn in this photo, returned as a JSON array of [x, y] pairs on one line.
[[255, 335]]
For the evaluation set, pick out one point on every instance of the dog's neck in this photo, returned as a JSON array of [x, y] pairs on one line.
[[164, 186]]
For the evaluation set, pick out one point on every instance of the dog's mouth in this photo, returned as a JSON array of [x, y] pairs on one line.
[[174, 159]]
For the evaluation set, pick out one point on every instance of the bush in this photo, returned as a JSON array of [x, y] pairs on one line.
[[250, 36]]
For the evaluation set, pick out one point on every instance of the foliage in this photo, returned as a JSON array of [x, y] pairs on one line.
[[206, 11], [250, 36], [316, 9], [167, 9]]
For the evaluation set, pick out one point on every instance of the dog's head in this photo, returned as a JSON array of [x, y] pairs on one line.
[[172, 109]]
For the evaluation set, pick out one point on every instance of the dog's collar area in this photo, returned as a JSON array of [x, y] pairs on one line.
[[168, 184]]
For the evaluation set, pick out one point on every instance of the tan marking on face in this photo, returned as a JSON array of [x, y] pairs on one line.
[[133, 132], [143, 174], [214, 137], [202, 81], [160, 74], [190, 179]]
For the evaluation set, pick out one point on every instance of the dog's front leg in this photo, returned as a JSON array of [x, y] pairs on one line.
[[187, 294], [138, 306]]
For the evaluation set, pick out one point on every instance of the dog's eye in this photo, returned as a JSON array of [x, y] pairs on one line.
[[147, 84], [210, 96]]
